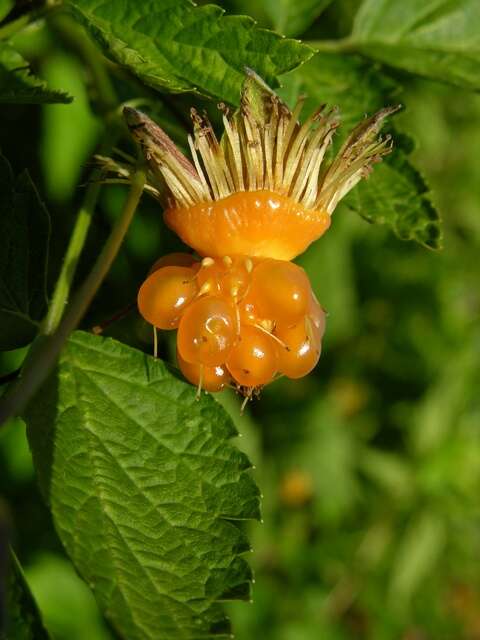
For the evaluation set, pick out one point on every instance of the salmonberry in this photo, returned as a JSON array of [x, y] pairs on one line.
[[253, 361], [317, 314], [302, 348], [207, 331], [249, 204], [236, 277], [226, 276], [247, 310], [164, 295], [240, 320], [280, 291], [208, 378], [174, 260], [208, 276]]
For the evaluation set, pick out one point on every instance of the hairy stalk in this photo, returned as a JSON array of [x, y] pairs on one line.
[[46, 348]]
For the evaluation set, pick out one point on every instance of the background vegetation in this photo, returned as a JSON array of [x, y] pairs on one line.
[[369, 467]]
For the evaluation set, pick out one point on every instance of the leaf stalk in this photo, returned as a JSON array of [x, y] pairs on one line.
[[46, 349]]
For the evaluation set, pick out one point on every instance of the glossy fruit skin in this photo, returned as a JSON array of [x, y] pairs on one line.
[[240, 320], [317, 314], [174, 260], [253, 361], [302, 348], [208, 277], [211, 378], [227, 277], [235, 279], [280, 291], [248, 312], [165, 294], [252, 223], [207, 331]]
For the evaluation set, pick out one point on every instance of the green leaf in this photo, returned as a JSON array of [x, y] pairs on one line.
[[395, 194], [23, 618], [399, 196], [5, 7], [292, 17], [328, 455], [145, 490], [389, 470], [416, 556], [173, 45], [24, 241], [434, 38], [437, 413], [19, 86]]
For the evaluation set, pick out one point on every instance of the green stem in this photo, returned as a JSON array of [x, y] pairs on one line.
[[345, 45], [46, 349], [107, 255], [72, 255], [77, 40]]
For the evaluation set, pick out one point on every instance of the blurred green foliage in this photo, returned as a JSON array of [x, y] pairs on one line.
[[370, 466]]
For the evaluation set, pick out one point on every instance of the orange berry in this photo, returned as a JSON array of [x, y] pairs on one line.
[[302, 348], [247, 311], [208, 276], [253, 361], [174, 260], [317, 314], [207, 331], [280, 290], [235, 280], [164, 295], [211, 378], [226, 276]]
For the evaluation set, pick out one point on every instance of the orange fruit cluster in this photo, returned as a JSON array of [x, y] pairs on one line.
[[241, 321]]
